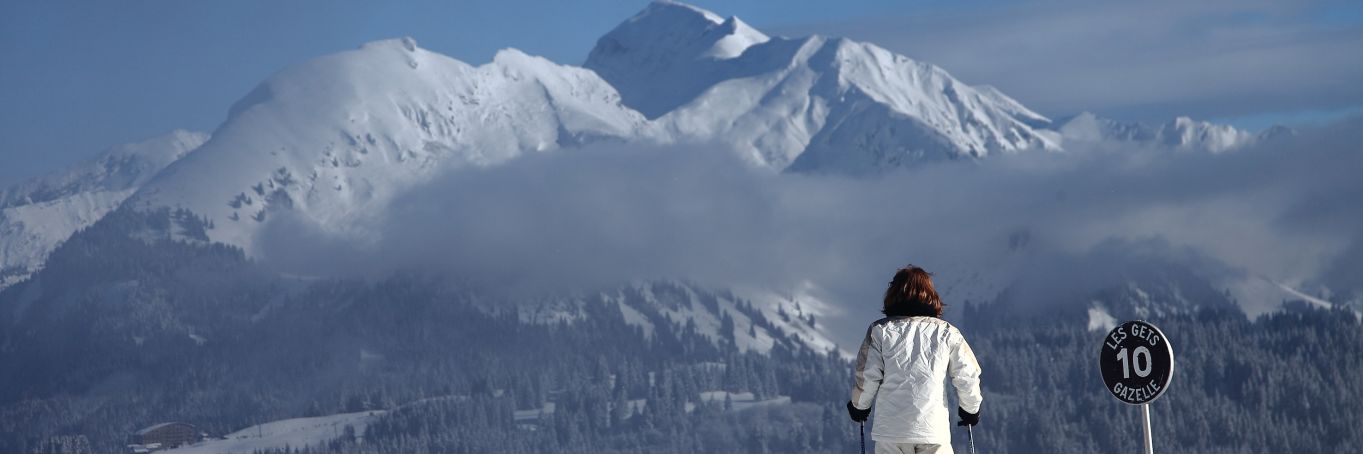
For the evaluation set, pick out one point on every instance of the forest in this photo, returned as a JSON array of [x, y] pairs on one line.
[[125, 328]]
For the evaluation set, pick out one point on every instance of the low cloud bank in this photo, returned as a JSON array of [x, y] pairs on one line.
[[1283, 212]]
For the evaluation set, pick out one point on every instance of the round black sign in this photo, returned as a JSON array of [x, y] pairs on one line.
[[1137, 362]]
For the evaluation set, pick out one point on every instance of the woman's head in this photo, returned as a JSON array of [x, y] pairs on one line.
[[911, 293]]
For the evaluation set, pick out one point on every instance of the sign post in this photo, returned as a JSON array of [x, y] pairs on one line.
[[1137, 363]]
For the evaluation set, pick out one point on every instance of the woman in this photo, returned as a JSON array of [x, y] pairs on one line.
[[903, 367]]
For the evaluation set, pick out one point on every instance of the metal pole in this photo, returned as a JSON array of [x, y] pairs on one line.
[[863, 437], [1145, 416], [971, 434]]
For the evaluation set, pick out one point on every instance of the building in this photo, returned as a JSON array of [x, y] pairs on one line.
[[166, 435]]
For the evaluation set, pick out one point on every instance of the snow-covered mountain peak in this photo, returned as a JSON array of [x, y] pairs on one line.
[[1179, 134], [1184, 133], [116, 168], [922, 89], [821, 104], [349, 76], [39, 214], [657, 57], [803, 104], [333, 139], [736, 36]]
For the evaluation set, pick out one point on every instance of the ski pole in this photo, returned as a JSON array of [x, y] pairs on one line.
[[970, 434], [863, 437]]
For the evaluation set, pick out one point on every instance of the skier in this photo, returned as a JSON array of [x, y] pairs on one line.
[[903, 366]]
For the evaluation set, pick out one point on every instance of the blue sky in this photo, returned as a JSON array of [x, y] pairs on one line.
[[77, 77]]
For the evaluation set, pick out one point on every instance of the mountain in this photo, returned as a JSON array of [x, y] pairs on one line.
[[1182, 133], [331, 141], [39, 214], [1163, 296], [807, 104]]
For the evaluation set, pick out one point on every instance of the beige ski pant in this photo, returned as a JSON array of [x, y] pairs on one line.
[[910, 448]]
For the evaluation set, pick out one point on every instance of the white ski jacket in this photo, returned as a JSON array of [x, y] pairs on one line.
[[903, 367]]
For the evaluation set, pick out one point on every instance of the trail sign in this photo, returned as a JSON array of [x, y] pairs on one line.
[[1137, 362]]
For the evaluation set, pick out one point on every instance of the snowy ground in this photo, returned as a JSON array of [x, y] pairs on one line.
[[536, 413], [740, 401], [294, 433]]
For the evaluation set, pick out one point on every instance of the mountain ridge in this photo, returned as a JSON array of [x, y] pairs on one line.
[[840, 105], [1179, 134], [328, 142], [38, 214], [332, 140]]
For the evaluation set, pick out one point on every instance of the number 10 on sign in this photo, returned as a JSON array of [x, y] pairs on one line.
[[1141, 353]]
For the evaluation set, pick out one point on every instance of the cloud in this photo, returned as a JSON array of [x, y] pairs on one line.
[[1139, 60], [587, 218]]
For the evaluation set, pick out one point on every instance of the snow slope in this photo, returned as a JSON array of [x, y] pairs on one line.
[[294, 433], [806, 104], [39, 214], [332, 140]]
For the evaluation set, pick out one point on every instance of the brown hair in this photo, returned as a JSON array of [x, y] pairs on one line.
[[911, 293]]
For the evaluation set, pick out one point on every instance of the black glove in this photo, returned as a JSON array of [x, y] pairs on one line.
[[857, 414], [967, 418]]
